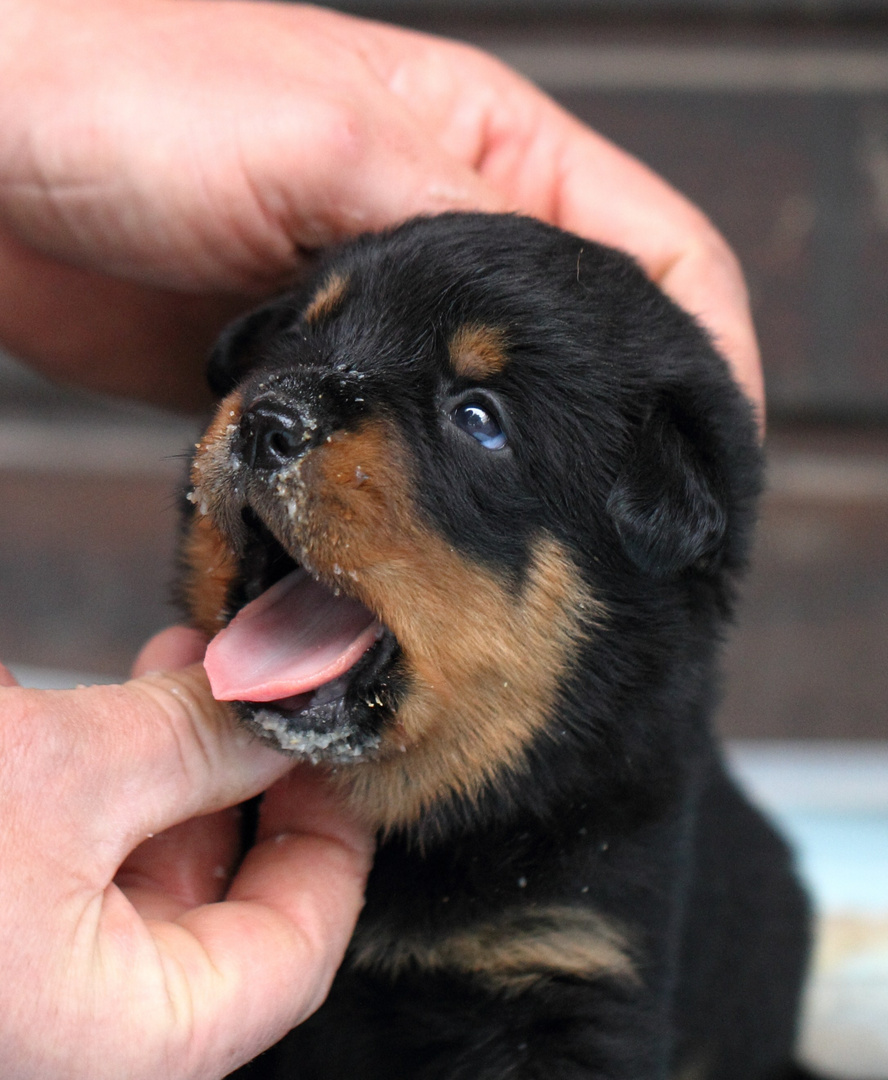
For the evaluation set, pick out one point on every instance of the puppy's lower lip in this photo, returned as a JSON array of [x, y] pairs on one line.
[[297, 703], [294, 638]]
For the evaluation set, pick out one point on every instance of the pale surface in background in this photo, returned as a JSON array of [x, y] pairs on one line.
[[831, 800]]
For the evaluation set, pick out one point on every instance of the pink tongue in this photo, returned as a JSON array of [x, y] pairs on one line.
[[293, 638]]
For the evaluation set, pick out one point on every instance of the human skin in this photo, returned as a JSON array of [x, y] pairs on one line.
[[165, 163], [120, 956]]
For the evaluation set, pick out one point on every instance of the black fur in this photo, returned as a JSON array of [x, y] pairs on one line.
[[631, 448]]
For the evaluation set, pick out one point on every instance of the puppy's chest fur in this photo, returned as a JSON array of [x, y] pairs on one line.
[[466, 530]]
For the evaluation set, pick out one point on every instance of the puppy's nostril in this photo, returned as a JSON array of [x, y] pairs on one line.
[[270, 437]]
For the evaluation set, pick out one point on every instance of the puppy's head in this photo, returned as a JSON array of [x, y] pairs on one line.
[[468, 477]]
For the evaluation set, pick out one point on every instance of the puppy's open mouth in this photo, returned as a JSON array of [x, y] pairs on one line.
[[309, 668]]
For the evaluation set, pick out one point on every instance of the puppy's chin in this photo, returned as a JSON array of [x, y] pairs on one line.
[[320, 734], [341, 722]]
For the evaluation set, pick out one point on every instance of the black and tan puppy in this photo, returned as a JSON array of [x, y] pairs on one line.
[[469, 520]]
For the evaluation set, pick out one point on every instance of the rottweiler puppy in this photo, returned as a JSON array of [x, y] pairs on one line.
[[465, 531]]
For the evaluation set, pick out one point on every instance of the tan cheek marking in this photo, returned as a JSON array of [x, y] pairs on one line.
[[210, 569], [477, 352], [486, 668], [211, 475], [227, 415], [485, 663], [210, 563], [327, 298], [511, 953]]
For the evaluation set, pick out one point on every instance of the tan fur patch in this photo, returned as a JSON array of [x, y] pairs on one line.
[[327, 299], [477, 352], [210, 563], [485, 662], [211, 466], [210, 570], [511, 953]]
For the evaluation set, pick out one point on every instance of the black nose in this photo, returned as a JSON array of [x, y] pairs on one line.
[[270, 435]]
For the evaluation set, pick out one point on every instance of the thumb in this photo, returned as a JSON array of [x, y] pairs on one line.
[[124, 762], [192, 755]]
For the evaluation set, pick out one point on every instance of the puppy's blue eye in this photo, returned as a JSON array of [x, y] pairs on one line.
[[476, 421]]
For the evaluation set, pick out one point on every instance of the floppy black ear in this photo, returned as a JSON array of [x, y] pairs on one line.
[[669, 503], [240, 346]]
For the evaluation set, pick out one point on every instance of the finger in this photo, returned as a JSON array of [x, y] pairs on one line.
[[275, 945], [171, 649], [707, 281], [195, 758], [190, 863], [303, 809], [608, 194], [185, 866], [389, 167], [6, 677], [305, 800], [288, 158], [83, 326], [124, 762]]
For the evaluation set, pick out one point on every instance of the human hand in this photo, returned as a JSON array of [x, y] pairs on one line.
[[121, 957], [163, 162]]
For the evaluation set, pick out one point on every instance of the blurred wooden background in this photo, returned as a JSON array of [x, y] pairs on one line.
[[773, 116]]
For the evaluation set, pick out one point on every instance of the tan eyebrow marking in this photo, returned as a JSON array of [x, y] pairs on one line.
[[477, 352], [327, 299]]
